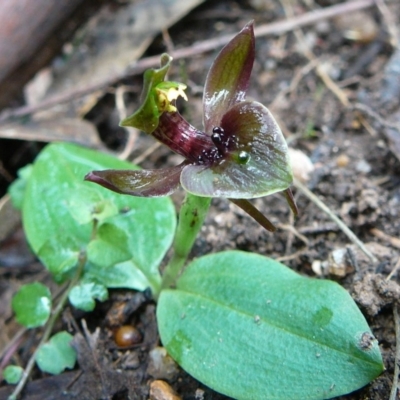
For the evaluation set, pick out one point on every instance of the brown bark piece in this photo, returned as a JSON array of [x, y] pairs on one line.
[[29, 34]]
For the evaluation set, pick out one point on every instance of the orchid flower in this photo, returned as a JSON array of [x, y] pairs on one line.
[[240, 155]]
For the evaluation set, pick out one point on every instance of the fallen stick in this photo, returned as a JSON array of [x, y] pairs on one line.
[[274, 28], [344, 228]]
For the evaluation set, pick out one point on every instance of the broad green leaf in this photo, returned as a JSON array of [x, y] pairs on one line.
[[126, 274], [251, 328], [17, 188], [57, 354], [259, 165], [86, 203], [32, 304], [110, 246], [49, 223], [228, 78], [12, 374], [60, 254], [83, 296]]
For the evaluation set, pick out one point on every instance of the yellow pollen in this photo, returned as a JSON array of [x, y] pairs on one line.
[[165, 96]]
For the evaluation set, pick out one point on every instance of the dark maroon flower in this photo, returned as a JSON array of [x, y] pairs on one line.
[[241, 154]]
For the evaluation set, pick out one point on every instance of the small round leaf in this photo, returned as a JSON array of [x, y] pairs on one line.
[[84, 295], [57, 354], [32, 305], [12, 374]]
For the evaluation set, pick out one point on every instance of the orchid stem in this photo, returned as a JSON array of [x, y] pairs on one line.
[[191, 217]]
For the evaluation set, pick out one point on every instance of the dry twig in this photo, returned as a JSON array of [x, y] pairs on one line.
[[394, 270], [393, 241], [297, 77], [133, 133], [48, 329], [11, 346], [146, 153], [294, 231], [275, 28], [390, 23], [372, 114], [344, 228], [292, 256], [329, 83]]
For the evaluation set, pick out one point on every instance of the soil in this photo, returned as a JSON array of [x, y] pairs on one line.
[[355, 153]]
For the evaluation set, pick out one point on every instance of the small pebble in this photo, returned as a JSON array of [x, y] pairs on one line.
[[127, 336], [363, 167], [317, 268], [131, 361], [358, 26], [199, 395], [160, 390], [302, 166], [323, 27], [161, 365], [337, 262], [342, 161]]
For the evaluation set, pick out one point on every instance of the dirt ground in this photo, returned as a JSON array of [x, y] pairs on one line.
[[335, 91]]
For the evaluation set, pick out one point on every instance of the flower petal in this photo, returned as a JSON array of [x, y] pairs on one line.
[[258, 216], [228, 78], [258, 167], [142, 183]]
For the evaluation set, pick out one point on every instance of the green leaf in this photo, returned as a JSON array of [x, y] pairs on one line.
[[17, 188], [110, 246], [51, 210], [126, 274], [251, 328], [86, 204], [84, 295], [60, 254], [12, 374], [57, 354], [228, 78], [32, 304]]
